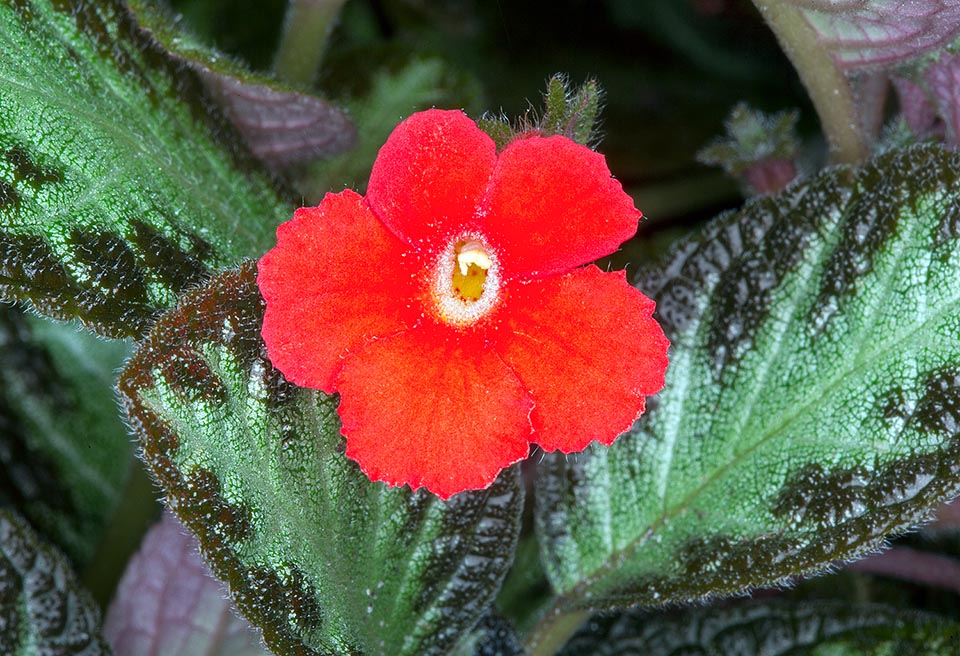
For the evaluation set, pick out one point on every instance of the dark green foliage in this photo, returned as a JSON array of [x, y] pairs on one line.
[[770, 629], [116, 192], [64, 452], [492, 636], [42, 608]]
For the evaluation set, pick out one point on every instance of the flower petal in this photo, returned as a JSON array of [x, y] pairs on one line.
[[335, 280], [431, 409], [429, 177], [587, 350], [552, 206]]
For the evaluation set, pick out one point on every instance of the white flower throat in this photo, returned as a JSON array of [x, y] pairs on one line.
[[467, 282]]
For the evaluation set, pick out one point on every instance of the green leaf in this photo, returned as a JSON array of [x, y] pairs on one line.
[[43, 610], [64, 453], [320, 558], [115, 190], [812, 403], [827, 628]]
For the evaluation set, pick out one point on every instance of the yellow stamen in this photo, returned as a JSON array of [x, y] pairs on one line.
[[470, 274], [472, 252]]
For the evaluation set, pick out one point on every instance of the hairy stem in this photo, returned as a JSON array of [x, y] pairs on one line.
[[306, 29], [826, 83]]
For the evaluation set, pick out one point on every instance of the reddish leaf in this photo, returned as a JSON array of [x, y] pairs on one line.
[[169, 603], [863, 34]]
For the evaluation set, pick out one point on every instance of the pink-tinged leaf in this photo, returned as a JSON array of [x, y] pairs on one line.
[[770, 176], [943, 80], [871, 33], [168, 603], [915, 106], [947, 516], [281, 127], [913, 566]]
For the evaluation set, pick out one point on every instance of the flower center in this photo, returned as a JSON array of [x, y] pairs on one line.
[[470, 273], [466, 282]]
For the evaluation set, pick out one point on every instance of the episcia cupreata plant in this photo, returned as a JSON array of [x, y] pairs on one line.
[[338, 408]]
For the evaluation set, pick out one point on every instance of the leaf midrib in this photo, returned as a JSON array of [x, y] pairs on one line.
[[630, 549]]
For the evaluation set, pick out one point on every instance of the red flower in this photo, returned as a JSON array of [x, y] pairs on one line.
[[449, 309]]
